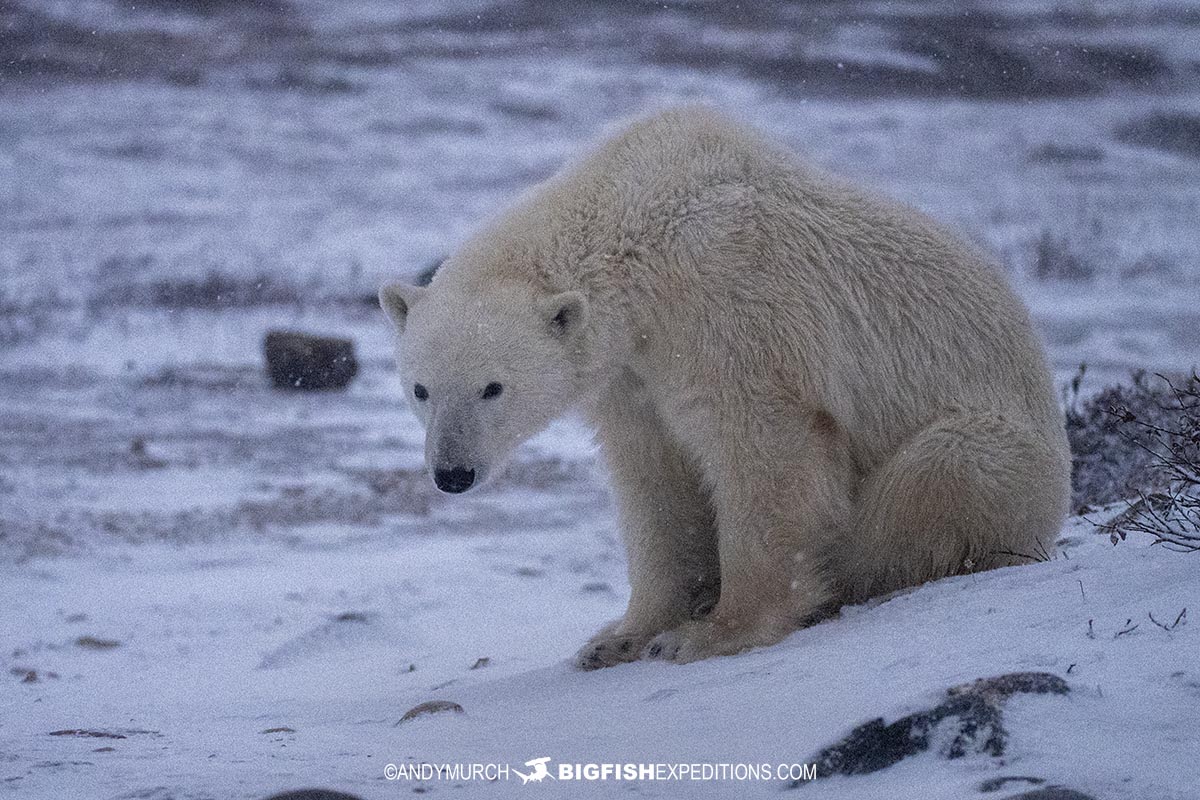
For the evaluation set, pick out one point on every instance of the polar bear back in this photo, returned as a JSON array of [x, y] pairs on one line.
[[714, 256]]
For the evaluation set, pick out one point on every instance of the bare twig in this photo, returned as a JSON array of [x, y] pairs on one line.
[[1040, 554], [1129, 628], [1178, 619]]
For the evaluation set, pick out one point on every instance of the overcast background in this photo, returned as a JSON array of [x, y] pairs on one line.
[[216, 154]]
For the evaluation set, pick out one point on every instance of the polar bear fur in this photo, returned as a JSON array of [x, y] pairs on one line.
[[806, 396]]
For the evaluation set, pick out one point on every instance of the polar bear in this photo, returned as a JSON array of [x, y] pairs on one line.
[[806, 396]]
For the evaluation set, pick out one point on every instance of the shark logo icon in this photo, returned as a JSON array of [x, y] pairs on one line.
[[539, 772]]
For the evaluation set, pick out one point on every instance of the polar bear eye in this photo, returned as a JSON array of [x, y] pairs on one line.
[[420, 392], [492, 390]]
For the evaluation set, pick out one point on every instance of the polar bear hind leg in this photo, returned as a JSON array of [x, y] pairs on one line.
[[971, 491]]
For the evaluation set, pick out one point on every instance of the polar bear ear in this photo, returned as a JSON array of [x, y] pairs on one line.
[[397, 299], [563, 313]]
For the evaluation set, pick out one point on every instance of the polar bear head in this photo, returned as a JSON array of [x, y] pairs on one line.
[[484, 370]]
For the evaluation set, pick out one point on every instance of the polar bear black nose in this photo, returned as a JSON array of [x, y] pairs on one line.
[[454, 480]]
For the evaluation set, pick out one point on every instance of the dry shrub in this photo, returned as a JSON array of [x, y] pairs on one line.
[[1140, 443]]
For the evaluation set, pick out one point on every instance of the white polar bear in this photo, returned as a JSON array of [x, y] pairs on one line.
[[805, 396]]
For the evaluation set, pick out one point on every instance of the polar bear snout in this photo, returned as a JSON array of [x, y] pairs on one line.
[[456, 449], [454, 480]]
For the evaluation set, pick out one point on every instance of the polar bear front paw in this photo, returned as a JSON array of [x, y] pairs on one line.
[[691, 641], [705, 638], [609, 648]]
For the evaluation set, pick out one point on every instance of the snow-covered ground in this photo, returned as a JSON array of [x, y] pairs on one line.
[[189, 558], [334, 636]]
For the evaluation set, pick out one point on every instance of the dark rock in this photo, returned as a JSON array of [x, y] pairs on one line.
[[968, 720], [1052, 793], [87, 734], [995, 784], [1003, 687], [430, 707], [313, 794], [874, 745], [96, 643], [301, 361]]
